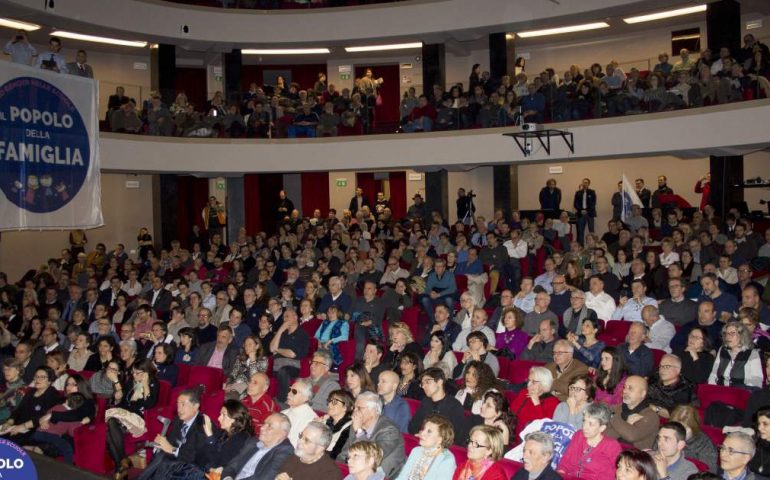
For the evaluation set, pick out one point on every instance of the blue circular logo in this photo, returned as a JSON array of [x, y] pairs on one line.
[[44, 146], [15, 463]]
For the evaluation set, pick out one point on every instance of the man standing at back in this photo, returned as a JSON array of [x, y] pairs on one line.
[[585, 206]]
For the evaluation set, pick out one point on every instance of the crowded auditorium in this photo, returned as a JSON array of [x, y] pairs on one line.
[[385, 239]]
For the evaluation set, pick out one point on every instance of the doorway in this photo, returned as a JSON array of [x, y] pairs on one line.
[[386, 115]]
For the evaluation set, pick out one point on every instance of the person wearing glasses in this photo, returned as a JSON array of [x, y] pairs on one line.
[[299, 411], [591, 454], [339, 420], [738, 353], [582, 391], [667, 388], [735, 453], [322, 382], [25, 418], [485, 448], [535, 401], [310, 461], [431, 460], [262, 457], [564, 368]]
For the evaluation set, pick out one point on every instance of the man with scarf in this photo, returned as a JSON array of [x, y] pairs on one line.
[[634, 421]]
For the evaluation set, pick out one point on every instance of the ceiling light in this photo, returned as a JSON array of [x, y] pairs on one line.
[[94, 38], [510, 36], [667, 14], [379, 48], [284, 51], [560, 30], [29, 27]]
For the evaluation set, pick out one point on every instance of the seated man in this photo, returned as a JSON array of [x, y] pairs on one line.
[[310, 460], [599, 301], [299, 413], [421, 118], [636, 355], [633, 421], [477, 344], [367, 313], [541, 346], [659, 330], [373, 355], [370, 424], [262, 457], [537, 453], [305, 123], [290, 345], [539, 313], [329, 121], [735, 453], [437, 402], [442, 323], [440, 287], [667, 388], [220, 354], [630, 309], [478, 324], [669, 457], [394, 406], [258, 402], [525, 299], [321, 381], [678, 309], [564, 368]]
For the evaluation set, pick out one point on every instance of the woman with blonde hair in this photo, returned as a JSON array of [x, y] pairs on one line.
[[485, 449], [364, 459], [432, 460], [401, 341]]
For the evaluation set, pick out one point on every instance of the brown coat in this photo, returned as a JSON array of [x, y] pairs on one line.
[[641, 434], [561, 381]]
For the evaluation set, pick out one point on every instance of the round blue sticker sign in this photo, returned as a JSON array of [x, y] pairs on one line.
[[15, 463], [44, 145]]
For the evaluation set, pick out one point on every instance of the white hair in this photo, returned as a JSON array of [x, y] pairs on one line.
[[543, 376]]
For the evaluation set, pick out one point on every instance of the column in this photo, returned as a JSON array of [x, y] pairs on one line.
[[433, 67], [726, 173], [502, 55], [436, 192], [506, 188], [723, 26], [163, 73], [233, 62]]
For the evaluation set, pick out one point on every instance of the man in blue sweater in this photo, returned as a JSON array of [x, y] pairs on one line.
[[439, 288]]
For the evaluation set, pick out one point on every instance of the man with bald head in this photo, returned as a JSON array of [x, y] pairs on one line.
[[659, 330], [262, 456], [258, 402], [393, 405], [667, 388], [633, 421], [564, 368]]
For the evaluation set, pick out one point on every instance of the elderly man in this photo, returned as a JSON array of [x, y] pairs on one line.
[[561, 295], [321, 381], [574, 316], [370, 424], [634, 421], [258, 402], [300, 413], [289, 346], [636, 355], [659, 330], [310, 461], [667, 388], [630, 309], [539, 313], [478, 324], [736, 451], [367, 311], [219, 354], [599, 301], [393, 405], [335, 297], [525, 299], [669, 457], [537, 453], [541, 346], [564, 368], [261, 457], [678, 309]]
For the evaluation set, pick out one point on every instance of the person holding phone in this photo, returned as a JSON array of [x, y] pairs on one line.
[[53, 60], [19, 48]]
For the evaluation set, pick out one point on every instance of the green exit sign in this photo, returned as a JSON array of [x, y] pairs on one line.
[[344, 76], [342, 182]]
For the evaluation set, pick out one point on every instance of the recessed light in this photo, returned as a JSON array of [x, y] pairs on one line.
[[666, 14], [560, 30]]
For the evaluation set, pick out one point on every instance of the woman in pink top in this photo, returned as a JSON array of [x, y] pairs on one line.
[[590, 454], [610, 377]]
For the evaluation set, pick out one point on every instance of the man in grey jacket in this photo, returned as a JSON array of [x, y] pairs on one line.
[[321, 381]]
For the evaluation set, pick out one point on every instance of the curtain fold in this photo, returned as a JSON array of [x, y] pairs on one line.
[[398, 198], [315, 193]]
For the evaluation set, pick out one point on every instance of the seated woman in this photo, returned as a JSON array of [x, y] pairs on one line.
[[163, 360], [485, 449], [401, 341], [496, 412], [58, 424], [698, 445], [224, 443], [760, 463], [364, 461], [339, 420], [587, 347], [635, 465], [80, 354], [738, 353], [697, 359], [440, 354], [410, 367], [102, 383], [128, 353], [535, 401], [13, 388], [105, 352], [56, 362], [478, 345], [582, 391], [331, 333], [749, 317], [188, 344], [610, 377], [25, 418], [432, 460], [129, 402], [513, 340], [357, 380], [251, 360], [590, 453], [478, 380]]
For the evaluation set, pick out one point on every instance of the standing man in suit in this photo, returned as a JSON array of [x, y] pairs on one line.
[[585, 206], [185, 442], [79, 67], [358, 201], [261, 458], [550, 197]]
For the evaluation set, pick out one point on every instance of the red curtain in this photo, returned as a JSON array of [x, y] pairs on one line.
[[390, 91], [251, 207], [398, 194], [192, 196], [315, 193], [366, 181], [304, 75], [192, 81]]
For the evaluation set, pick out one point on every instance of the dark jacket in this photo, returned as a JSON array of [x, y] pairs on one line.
[[204, 353], [194, 447], [547, 474], [590, 202], [268, 467], [353, 207]]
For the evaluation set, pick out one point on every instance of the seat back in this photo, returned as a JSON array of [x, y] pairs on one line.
[[518, 370], [510, 467], [410, 441], [460, 453], [183, 377], [708, 394], [413, 405], [164, 393], [210, 378], [617, 329]]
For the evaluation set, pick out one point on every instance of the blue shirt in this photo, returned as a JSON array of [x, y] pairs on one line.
[[465, 268], [445, 285], [398, 412]]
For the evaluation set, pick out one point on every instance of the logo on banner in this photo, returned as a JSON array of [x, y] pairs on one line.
[[15, 463], [44, 145]]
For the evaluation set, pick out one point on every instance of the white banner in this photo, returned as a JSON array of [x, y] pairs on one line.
[[630, 198], [49, 150]]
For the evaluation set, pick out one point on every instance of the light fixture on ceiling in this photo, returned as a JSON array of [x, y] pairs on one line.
[[97, 39], [510, 36], [666, 14], [559, 30], [284, 51], [29, 27], [380, 48]]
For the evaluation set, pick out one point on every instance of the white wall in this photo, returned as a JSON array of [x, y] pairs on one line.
[[479, 180], [458, 67]]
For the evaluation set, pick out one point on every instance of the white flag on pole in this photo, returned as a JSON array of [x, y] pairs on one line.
[[630, 198]]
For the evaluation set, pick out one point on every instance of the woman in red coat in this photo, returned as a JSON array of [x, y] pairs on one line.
[[535, 401], [485, 449]]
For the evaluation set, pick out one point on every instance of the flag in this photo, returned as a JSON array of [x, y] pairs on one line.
[[630, 198]]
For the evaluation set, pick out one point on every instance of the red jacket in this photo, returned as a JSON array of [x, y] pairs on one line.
[[495, 472], [526, 411], [426, 111], [259, 410]]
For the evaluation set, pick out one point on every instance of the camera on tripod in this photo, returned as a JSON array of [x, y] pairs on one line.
[[470, 194]]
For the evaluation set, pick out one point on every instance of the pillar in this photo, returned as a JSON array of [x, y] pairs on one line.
[[163, 73], [433, 67], [723, 26], [437, 192], [233, 64], [726, 173]]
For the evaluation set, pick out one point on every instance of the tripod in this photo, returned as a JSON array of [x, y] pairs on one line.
[[470, 216]]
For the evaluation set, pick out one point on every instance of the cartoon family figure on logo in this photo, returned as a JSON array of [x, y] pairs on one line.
[[40, 194]]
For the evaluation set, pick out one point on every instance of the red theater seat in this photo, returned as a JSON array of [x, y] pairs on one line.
[[518, 370]]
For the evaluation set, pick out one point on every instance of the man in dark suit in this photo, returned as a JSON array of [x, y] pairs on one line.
[[538, 452], [159, 298], [261, 458], [219, 354], [358, 201], [79, 67], [585, 206], [185, 442], [369, 424]]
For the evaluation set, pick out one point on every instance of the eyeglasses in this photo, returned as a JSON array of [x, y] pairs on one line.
[[561, 353], [304, 438], [335, 400], [575, 388], [316, 362], [731, 450], [474, 443], [41, 377], [667, 367], [731, 333], [558, 283]]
